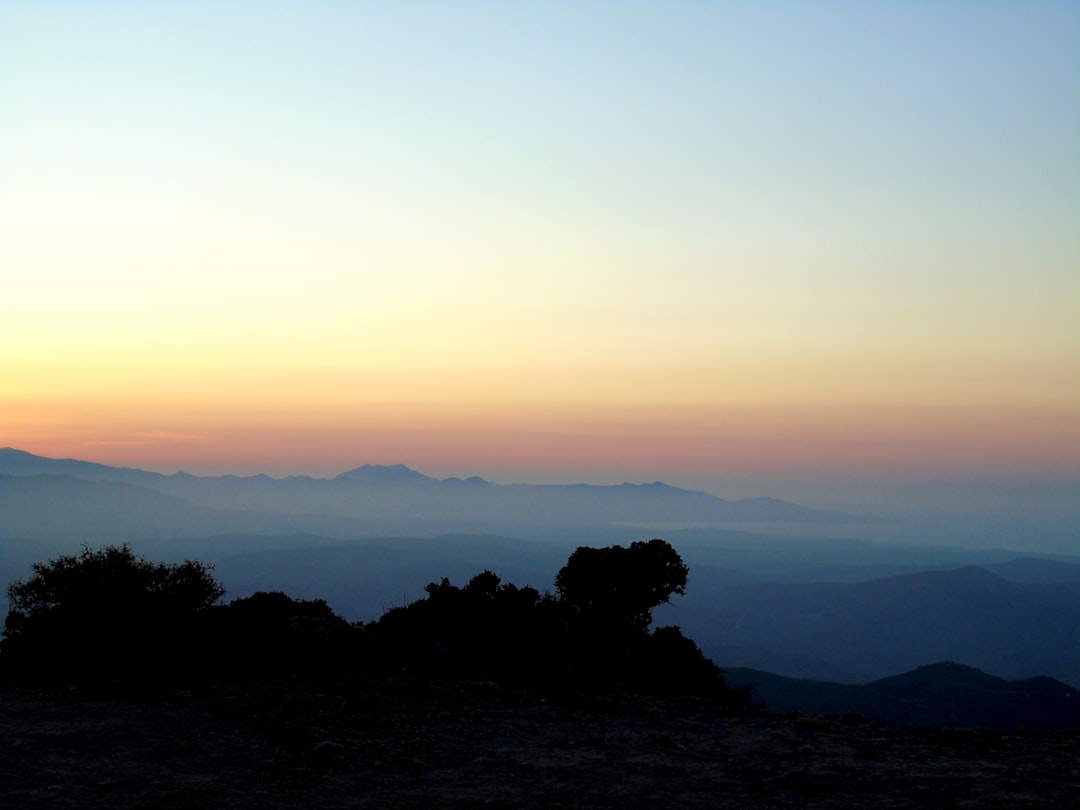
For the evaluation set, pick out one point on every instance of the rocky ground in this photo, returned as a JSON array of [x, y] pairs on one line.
[[455, 746]]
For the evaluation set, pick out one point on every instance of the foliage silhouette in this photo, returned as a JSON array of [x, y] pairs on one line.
[[110, 615], [594, 636], [620, 585], [486, 629], [105, 614], [270, 636]]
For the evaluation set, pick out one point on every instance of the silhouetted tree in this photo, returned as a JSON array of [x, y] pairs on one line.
[[673, 663], [621, 586], [270, 636], [105, 613], [108, 615], [484, 629]]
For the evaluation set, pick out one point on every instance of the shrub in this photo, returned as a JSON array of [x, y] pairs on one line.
[[485, 629], [105, 614], [620, 586], [270, 636]]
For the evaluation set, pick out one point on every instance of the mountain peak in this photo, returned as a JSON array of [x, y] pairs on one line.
[[384, 474]]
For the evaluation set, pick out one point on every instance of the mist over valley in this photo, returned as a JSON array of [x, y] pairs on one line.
[[774, 586]]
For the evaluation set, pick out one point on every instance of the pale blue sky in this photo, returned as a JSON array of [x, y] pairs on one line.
[[851, 229], [895, 121]]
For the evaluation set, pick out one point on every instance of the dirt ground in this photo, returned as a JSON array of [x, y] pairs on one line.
[[475, 745]]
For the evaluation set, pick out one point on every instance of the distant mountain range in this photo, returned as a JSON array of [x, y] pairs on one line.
[[763, 593], [942, 694], [368, 500]]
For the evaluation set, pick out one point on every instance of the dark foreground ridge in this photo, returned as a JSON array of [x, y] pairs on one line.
[[126, 684], [400, 744]]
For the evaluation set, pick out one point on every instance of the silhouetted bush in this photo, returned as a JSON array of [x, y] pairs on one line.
[[674, 664], [270, 636], [105, 614], [620, 586], [110, 614], [486, 629], [593, 637]]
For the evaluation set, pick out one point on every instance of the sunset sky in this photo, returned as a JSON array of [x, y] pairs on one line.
[[543, 241]]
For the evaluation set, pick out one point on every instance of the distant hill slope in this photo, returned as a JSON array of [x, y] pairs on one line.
[[40, 514], [19, 462], [943, 694], [875, 628], [390, 493], [1034, 570]]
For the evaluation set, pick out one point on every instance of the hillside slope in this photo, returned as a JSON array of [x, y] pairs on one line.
[[943, 694]]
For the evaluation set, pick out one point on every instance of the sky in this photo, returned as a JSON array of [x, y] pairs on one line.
[[703, 242]]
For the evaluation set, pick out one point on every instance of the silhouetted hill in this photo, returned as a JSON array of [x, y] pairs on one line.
[[396, 474], [872, 629], [943, 694]]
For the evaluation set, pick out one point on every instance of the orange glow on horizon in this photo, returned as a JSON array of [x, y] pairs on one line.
[[330, 240], [476, 439]]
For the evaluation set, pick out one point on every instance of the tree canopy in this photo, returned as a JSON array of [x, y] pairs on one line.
[[110, 617], [106, 609], [623, 584]]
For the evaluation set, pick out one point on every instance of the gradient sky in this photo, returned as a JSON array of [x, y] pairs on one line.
[[535, 241]]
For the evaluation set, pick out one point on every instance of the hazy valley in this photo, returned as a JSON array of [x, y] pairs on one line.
[[791, 591]]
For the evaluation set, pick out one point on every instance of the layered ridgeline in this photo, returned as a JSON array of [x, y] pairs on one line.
[[370, 497], [776, 587], [993, 617]]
